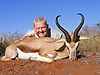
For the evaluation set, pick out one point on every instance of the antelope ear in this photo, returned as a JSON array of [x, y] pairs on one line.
[[84, 37], [59, 45]]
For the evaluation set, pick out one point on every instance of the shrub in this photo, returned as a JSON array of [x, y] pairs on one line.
[[6, 39]]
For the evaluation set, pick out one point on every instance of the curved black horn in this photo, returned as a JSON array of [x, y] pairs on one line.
[[68, 39], [76, 37]]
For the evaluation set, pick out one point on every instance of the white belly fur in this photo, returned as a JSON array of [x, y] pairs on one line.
[[35, 56]]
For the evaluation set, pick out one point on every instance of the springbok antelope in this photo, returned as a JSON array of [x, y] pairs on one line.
[[46, 49]]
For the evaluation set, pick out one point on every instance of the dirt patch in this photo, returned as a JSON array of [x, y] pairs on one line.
[[88, 64]]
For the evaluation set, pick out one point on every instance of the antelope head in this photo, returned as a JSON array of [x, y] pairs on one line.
[[71, 41]]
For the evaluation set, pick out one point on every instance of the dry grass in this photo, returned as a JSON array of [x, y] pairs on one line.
[[6, 39], [93, 43], [90, 44]]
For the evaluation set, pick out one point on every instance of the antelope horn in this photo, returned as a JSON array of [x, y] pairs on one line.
[[76, 37], [68, 38]]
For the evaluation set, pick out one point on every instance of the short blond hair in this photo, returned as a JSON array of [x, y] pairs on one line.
[[39, 19]]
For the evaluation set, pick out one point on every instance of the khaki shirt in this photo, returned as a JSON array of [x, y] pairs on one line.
[[51, 33]]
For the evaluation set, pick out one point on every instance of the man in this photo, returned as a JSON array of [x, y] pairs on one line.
[[41, 29]]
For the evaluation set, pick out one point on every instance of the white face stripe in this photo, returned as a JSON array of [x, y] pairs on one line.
[[71, 49], [76, 44], [67, 45]]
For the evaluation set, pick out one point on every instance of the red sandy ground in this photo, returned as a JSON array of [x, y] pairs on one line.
[[89, 65]]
